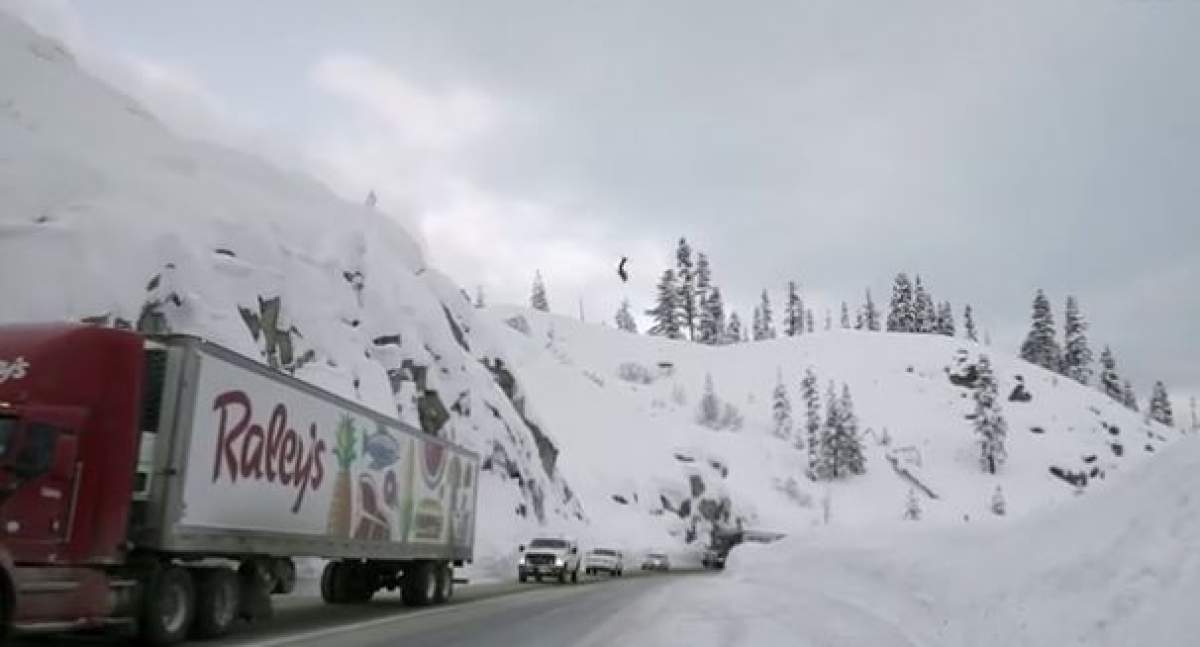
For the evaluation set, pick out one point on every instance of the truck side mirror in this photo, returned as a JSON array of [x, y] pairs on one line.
[[521, 548], [574, 550]]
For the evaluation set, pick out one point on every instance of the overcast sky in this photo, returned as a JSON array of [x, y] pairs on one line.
[[994, 148]]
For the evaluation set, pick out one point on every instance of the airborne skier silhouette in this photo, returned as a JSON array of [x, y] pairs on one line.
[[621, 270]]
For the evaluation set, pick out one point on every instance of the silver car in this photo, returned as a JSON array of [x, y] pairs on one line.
[[604, 560]]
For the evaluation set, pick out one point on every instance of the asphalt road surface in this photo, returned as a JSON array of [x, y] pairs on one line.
[[494, 614]]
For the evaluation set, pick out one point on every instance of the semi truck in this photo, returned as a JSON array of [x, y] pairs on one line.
[[164, 486]]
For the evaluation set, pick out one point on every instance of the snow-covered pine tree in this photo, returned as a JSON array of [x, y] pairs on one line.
[[703, 276], [924, 314], [828, 319], [902, 313], [781, 409], [808, 320], [709, 413], [1110, 380], [854, 461], [999, 507], [537, 298], [827, 461], [712, 318], [734, 333], [768, 321], [845, 315], [912, 506], [1160, 405], [757, 332], [969, 323], [666, 311], [479, 301], [812, 420], [1128, 397], [1041, 346], [625, 319], [1077, 356], [989, 423], [860, 320], [793, 315], [871, 314], [685, 282], [945, 320]]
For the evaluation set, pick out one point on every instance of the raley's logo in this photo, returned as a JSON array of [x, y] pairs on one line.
[[277, 453], [13, 370]]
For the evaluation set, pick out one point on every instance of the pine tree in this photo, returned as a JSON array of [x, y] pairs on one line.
[[999, 507], [709, 413], [871, 314], [860, 320], [712, 318], [733, 334], [845, 316], [1110, 381], [828, 319], [758, 332], [902, 313], [1160, 405], [1041, 346], [479, 302], [841, 449], [969, 323], [666, 311], [989, 423], [781, 409], [808, 320], [912, 506], [855, 461], [1077, 358], [812, 420], [537, 299], [1128, 397], [924, 314], [703, 276], [768, 322], [625, 318], [945, 319], [793, 317], [685, 282]]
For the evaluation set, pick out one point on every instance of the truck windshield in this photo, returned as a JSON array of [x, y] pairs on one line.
[[604, 552], [8, 429], [548, 543]]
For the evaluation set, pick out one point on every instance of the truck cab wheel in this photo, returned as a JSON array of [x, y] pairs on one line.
[[167, 607], [217, 602]]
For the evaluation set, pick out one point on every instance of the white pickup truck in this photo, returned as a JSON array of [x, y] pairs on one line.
[[546, 557]]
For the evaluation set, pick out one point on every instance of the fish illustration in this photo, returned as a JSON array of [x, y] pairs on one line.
[[381, 448]]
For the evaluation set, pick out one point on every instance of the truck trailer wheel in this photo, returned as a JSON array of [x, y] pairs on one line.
[[167, 607], [217, 602], [445, 583], [420, 584]]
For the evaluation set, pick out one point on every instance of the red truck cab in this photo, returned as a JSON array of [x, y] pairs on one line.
[[66, 392]]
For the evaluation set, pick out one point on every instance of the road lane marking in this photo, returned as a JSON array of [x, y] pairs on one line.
[[400, 617]]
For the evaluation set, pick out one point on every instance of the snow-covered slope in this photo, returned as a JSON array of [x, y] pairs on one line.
[[900, 383], [105, 216]]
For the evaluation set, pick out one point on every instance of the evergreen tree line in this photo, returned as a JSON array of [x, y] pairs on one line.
[[1073, 358]]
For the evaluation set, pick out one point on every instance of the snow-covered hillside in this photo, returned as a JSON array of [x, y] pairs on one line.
[[107, 217], [900, 383]]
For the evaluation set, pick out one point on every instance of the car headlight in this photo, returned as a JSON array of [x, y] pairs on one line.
[[558, 561], [522, 562]]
